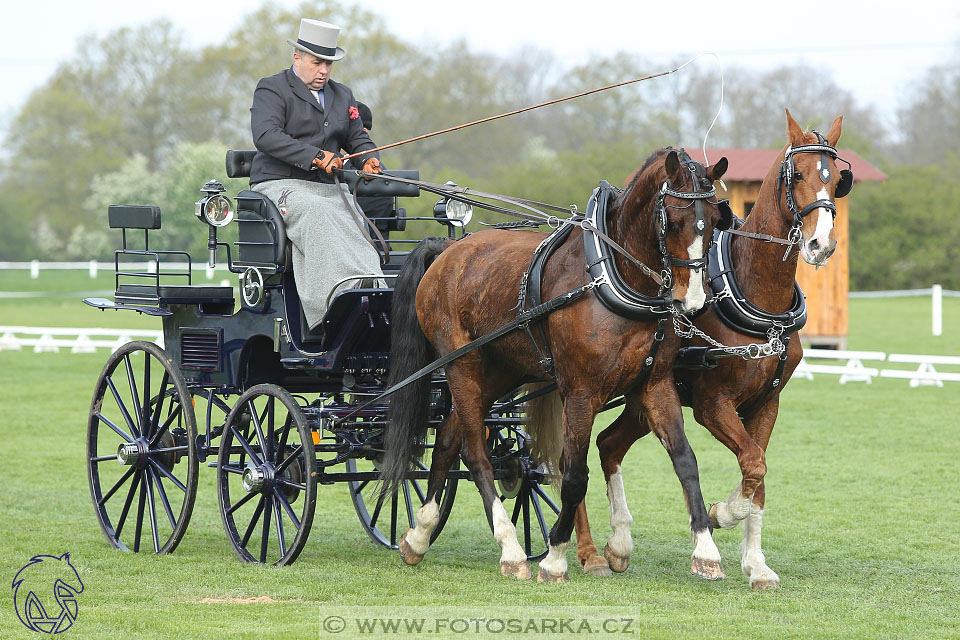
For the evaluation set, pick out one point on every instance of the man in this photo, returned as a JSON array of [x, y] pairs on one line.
[[300, 120]]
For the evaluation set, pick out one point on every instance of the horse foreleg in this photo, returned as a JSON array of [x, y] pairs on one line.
[[662, 407], [577, 422], [415, 542], [752, 561]]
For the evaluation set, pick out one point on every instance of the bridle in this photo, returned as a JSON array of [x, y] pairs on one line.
[[697, 197], [786, 179]]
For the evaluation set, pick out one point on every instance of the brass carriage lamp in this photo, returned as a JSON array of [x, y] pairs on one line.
[[216, 210]]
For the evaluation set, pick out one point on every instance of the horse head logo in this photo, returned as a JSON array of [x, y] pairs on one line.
[[45, 593]]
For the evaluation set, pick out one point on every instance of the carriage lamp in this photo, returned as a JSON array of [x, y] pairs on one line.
[[216, 210], [454, 213]]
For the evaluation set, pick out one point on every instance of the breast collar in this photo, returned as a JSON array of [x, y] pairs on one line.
[[613, 292], [734, 309]]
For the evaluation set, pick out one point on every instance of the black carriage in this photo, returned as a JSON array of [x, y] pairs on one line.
[[246, 387]]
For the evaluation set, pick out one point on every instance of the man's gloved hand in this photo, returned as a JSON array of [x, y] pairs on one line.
[[371, 165], [328, 161]]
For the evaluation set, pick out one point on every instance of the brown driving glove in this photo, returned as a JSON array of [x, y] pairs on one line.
[[328, 161]]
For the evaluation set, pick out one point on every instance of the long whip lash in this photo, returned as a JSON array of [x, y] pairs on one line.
[[512, 113]]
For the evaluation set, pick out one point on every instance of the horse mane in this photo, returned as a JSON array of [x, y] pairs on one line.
[[648, 176]]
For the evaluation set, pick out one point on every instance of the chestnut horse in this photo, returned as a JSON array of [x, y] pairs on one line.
[[470, 289], [738, 400]]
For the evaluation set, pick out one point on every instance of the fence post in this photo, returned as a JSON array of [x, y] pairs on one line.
[[93, 268], [937, 295], [34, 269]]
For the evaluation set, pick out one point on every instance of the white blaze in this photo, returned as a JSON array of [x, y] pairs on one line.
[[696, 296], [821, 234]]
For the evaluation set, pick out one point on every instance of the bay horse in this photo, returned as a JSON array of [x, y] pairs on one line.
[[739, 399], [467, 289]]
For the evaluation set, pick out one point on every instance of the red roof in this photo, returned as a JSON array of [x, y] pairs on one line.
[[749, 165]]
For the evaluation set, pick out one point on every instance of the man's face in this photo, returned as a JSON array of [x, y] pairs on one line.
[[313, 71]]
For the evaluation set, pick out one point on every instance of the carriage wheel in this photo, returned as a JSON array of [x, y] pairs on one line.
[[522, 491], [266, 476], [381, 515], [137, 418]]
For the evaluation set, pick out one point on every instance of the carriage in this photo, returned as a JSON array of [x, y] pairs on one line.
[[277, 409]]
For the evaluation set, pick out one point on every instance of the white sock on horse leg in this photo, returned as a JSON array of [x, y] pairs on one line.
[[427, 518], [620, 542]]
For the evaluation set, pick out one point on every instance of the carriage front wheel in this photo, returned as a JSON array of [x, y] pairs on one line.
[[267, 476], [141, 450]]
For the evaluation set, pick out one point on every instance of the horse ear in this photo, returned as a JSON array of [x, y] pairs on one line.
[[833, 136], [717, 169], [672, 165], [794, 130]]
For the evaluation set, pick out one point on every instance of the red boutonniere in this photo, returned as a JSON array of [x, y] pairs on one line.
[[354, 114]]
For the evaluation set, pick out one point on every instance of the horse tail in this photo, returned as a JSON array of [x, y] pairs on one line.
[[545, 427], [409, 413]]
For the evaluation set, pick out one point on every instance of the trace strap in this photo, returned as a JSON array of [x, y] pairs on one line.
[[521, 321]]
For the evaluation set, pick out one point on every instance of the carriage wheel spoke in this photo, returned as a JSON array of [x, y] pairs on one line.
[[256, 420], [133, 389], [376, 510], [394, 501], [361, 487], [99, 459], [120, 432], [279, 522], [292, 485], [409, 504], [246, 447], [109, 494], [538, 510], [282, 499], [126, 505], [242, 501], [419, 490], [161, 400], [162, 469], [265, 536], [546, 498], [286, 463], [253, 522], [516, 508], [267, 447], [143, 411], [525, 494], [177, 411], [151, 500], [139, 530], [165, 502]]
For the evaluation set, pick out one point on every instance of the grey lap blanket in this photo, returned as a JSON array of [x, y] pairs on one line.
[[328, 242]]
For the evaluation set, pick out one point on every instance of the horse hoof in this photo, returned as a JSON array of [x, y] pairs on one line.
[[544, 576], [409, 555], [617, 564], [707, 569], [597, 566], [765, 584], [713, 516], [519, 570]]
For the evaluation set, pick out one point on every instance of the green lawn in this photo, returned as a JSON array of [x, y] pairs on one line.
[[861, 524]]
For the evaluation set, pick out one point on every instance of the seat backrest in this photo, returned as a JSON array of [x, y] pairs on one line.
[[131, 216], [262, 236], [239, 161]]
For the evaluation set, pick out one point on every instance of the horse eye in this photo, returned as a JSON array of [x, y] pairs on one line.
[[798, 176]]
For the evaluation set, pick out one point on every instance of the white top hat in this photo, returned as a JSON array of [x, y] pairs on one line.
[[319, 39]]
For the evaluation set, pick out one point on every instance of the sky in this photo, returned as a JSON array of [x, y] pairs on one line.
[[876, 50]]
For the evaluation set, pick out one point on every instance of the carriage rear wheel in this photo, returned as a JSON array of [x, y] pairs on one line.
[[139, 420], [386, 518], [266, 476]]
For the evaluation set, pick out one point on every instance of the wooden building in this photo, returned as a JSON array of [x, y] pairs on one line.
[[826, 289]]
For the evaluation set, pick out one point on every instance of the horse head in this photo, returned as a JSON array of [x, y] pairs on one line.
[[687, 213], [809, 183]]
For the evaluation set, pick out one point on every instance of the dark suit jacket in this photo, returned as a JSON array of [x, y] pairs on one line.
[[289, 128]]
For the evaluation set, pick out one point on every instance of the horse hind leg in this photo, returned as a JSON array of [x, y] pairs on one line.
[[415, 542], [752, 561]]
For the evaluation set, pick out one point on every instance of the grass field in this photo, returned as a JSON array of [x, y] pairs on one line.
[[862, 518]]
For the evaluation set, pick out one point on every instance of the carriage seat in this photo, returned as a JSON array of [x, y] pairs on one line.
[[147, 218]]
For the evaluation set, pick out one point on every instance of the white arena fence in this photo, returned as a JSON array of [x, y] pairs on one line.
[[52, 339]]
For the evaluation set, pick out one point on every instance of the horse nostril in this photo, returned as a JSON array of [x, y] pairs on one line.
[[814, 245]]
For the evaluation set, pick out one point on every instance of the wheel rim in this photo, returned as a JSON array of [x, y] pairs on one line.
[[266, 477], [386, 519], [137, 419]]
